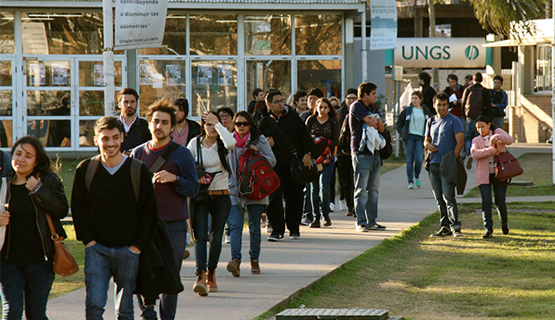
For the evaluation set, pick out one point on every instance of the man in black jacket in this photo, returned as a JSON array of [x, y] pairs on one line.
[[344, 162], [136, 129], [285, 131]]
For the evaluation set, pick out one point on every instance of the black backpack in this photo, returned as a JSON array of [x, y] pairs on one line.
[[345, 137]]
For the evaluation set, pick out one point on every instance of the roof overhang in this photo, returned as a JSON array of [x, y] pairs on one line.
[[515, 43]]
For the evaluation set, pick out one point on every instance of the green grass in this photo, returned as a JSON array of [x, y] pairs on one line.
[[412, 275], [538, 168], [77, 249], [65, 168]]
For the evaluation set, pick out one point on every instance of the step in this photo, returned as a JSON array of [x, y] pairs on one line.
[[335, 314], [521, 183]]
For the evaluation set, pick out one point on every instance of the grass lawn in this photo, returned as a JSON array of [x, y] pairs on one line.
[[538, 168], [412, 275]]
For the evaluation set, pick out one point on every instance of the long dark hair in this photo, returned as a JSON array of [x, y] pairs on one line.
[[222, 150], [254, 130], [486, 120], [333, 112], [43, 164]]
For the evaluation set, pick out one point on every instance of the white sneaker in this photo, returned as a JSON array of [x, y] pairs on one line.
[[343, 205], [332, 206], [269, 228], [227, 240], [361, 228]]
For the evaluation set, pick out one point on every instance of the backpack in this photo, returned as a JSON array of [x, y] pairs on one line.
[[135, 174], [474, 102], [345, 136], [257, 178]]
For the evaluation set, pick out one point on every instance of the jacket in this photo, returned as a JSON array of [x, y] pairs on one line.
[[194, 130], [139, 133], [403, 122], [453, 170], [264, 148], [480, 152], [49, 198]]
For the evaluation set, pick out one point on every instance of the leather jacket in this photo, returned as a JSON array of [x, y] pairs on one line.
[[49, 198]]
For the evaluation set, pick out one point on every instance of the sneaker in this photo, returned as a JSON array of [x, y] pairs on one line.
[[488, 234], [275, 237], [360, 228], [332, 207], [457, 234], [376, 227], [327, 222], [269, 228], [411, 185], [227, 240], [343, 205], [350, 213], [233, 266], [443, 232], [255, 267], [315, 224], [418, 182], [295, 236], [263, 221], [469, 163], [505, 229], [305, 222]]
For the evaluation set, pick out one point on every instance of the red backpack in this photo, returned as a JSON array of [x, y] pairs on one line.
[[257, 178]]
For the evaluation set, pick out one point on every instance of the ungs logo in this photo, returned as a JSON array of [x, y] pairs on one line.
[[471, 52]]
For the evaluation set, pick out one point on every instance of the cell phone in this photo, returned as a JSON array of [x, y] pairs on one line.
[[207, 178]]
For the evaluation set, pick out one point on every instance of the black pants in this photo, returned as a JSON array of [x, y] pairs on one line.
[[293, 194], [346, 180]]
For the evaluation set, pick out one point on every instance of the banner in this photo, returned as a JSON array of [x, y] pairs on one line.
[[383, 34], [440, 53], [140, 23]]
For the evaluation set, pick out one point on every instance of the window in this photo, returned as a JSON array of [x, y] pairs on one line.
[[543, 68], [213, 35], [318, 35], [268, 35]]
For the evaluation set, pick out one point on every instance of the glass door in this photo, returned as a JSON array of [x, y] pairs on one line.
[[7, 98]]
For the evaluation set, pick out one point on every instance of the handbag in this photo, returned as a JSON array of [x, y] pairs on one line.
[[64, 264], [302, 174], [507, 167]]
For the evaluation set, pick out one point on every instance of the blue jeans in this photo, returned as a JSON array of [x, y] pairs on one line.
[[177, 231], [25, 284], [469, 134], [367, 184], [320, 192], [216, 209], [500, 191], [101, 263], [307, 200], [444, 193], [414, 149], [235, 220]]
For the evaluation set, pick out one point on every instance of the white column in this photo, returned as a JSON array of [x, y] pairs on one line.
[[108, 57]]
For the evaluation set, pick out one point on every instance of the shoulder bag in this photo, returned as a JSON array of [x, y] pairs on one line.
[[507, 167], [202, 195], [63, 263]]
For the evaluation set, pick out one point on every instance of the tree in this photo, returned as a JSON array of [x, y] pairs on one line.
[[497, 15]]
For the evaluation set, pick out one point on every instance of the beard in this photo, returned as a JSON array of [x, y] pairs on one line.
[[180, 121]]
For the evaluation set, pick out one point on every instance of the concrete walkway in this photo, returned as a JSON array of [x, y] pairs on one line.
[[291, 265]]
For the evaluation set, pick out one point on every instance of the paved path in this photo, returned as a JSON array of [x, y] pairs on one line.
[[289, 266]]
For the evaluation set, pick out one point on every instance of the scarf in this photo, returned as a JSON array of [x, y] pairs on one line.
[[241, 143]]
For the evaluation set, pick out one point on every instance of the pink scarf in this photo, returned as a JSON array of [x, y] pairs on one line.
[[241, 143]]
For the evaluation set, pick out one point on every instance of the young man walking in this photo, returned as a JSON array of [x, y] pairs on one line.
[[111, 220], [174, 179], [366, 163]]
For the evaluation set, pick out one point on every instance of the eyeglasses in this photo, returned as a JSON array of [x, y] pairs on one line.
[[224, 116], [278, 101], [351, 98], [242, 124]]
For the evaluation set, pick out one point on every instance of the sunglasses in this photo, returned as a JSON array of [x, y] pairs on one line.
[[242, 124]]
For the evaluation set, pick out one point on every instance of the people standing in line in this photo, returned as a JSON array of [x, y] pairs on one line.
[[300, 101], [411, 126], [485, 147], [174, 182], [475, 99], [247, 135], [344, 162], [135, 128], [499, 101], [113, 223], [366, 163], [287, 132], [428, 92], [184, 129], [445, 140], [313, 95], [454, 88], [33, 191], [212, 147], [324, 128], [258, 95]]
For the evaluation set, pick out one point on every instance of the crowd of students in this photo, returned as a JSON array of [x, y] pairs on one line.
[[189, 171]]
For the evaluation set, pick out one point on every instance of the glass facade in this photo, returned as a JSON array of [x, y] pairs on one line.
[[213, 60]]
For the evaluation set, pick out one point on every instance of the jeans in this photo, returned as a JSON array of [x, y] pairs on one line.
[[177, 231], [320, 192], [367, 184], [293, 194], [101, 263], [498, 122], [216, 209], [414, 149], [25, 284], [235, 220], [500, 191], [346, 185], [469, 134], [444, 193], [307, 201]]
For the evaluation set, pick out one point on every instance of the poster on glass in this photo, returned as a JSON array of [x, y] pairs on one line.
[[37, 74], [98, 75], [204, 74], [59, 74], [173, 74], [225, 75]]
